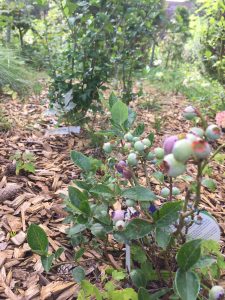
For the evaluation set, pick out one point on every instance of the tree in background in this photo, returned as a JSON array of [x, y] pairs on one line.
[[176, 37], [209, 33]]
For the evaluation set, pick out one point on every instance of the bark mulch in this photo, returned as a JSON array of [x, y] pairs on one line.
[[35, 198]]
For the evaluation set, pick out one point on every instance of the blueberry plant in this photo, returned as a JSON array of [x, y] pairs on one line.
[[105, 40], [25, 162], [113, 203]]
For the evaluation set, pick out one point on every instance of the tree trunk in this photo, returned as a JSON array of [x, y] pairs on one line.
[[152, 54]]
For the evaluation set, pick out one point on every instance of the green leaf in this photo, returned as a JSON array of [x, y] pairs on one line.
[[90, 290], [158, 176], [187, 285], [78, 228], [210, 184], [131, 118], [100, 212], [58, 252], [81, 161], [112, 99], [143, 294], [118, 275], [47, 262], [79, 200], [167, 214], [138, 278], [37, 239], [29, 167], [151, 137], [139, 129], [139, 193], [205, 262], [189, 254], [124, 294], [138, 254], [102, 190], [79, 254], [162, 237], [119, 112], [100, 230], [136, 229], [78, 274]]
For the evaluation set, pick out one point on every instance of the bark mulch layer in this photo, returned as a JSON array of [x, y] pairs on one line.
[[35, 198]]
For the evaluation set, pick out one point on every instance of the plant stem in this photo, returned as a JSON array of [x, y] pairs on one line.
[[198, 188], [171, 188], [146, 172]]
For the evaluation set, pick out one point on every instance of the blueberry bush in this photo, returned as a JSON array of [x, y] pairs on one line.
[[160, 248]]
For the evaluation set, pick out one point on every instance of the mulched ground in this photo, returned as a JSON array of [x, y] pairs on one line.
[[36, 198]]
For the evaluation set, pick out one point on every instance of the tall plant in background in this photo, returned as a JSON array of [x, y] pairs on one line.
[[176, 37], [107, 39], [209, 30], [13, 75]]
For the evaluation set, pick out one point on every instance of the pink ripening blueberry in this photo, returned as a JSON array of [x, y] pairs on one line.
[[118, 215], [201, 149], [172, 167], [213, 132], [120, 166], [220, 120], [127, 173], [169, 143]]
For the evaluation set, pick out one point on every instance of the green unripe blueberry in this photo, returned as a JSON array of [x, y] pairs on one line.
[[172, 167], [150, 156], [182, 150], [159, 153], [130, 203], [128, 137], [175, 191], [216, 293], [192, 137], [189, 113], [136, 138], [213, 132], [165, 192], [132, 159], [139, 146], [107, 147], [146, 142]]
